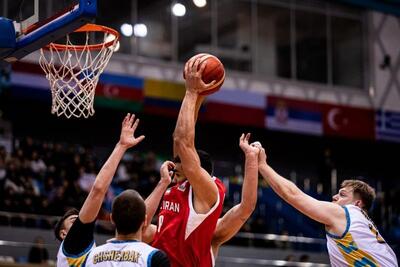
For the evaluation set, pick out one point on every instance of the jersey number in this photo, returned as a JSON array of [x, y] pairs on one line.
[[160, 222], [376, 233]]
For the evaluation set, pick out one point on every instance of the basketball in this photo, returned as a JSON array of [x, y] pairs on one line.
[[214, 71]]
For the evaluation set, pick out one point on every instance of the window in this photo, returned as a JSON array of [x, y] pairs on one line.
[[347, 52], [194, 31], [304, 40], [156, 16], [274, 54], [123, 9], [311, 46], [234, 34]]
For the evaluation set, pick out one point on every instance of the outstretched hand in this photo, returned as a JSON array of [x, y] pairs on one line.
[[166, 171], [262, 156], [129, 125], [194, 68], [246, 147]]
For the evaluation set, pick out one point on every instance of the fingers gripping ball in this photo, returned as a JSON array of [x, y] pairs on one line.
[[214, 70]]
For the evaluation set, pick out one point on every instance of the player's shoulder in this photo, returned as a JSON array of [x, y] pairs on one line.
[[352, 207], [216, 180], [99, 248], [159, 259], [352, 210], [65, 259], [220, 184]]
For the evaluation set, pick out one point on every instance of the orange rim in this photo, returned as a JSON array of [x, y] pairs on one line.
[[88, 28]]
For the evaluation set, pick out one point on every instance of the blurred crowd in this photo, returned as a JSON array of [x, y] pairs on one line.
[[47, 178]]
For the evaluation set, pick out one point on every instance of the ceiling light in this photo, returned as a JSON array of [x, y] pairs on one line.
[[178, 10], [200, 3], [140, 30], [127, 29]]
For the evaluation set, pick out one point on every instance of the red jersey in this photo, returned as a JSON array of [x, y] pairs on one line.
[[182, 233]]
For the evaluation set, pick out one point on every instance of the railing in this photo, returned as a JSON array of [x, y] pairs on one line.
[[226, 261], [28, 215], [263, 259], [283, 238], [25, 244]]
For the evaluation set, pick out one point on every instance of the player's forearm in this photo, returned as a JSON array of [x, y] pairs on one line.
[[107, 172], [249, 189], [283, 187], [93, 202], [185, 125], [149, 233], [153, 200], [199, 102]]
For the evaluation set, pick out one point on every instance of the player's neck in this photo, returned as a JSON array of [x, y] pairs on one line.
[[181, 180], [133, 236]]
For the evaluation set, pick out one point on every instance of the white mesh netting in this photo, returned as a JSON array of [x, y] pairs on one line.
[[73, 72]]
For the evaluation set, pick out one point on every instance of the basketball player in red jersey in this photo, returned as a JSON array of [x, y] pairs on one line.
[[190, 210], [233, 220]]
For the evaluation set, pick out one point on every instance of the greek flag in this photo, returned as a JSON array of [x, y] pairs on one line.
[[388, 125]]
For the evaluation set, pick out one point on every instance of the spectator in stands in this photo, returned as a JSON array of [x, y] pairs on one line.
[[86, 179], [38, 253], [290, 257], [149, 174], [304, 258], [37, 164]]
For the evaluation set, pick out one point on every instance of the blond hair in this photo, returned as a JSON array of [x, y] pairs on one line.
[[362, 190]]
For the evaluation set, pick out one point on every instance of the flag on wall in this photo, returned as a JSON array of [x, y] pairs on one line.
[[349, 122], [120, 92], [387, 125], [289, 115], [235, 107], [29, 81], [163, 97]]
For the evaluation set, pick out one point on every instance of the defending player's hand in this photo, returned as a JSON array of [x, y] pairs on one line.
[[129, 125], [166, 171], [246, 147], [262, 157], [193, 74]]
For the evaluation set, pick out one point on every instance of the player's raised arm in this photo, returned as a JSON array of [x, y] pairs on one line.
[[205, 190], [330, 214], [93, 202], [153, 200], [234, 219], [199, 102]]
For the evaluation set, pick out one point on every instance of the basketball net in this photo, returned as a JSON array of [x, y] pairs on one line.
[[73, 71]]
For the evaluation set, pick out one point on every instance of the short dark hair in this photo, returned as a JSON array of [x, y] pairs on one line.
[[205, 161], [361, 190], [128, 212], [60, 223]]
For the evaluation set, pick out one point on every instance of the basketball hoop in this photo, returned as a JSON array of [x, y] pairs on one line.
[[73, 70]]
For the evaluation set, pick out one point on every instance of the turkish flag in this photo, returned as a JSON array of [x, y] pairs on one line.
[[348, 122]]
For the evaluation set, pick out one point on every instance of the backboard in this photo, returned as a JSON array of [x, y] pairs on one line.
[[27, 25]]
